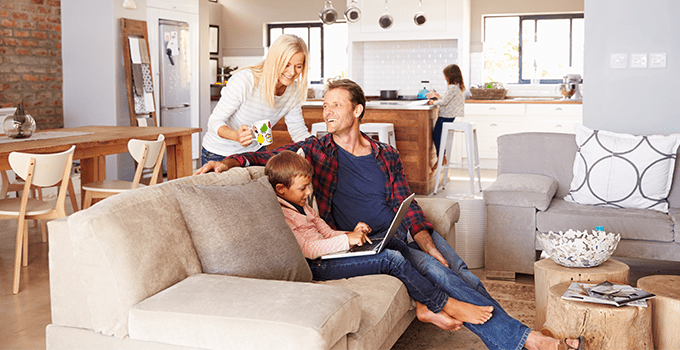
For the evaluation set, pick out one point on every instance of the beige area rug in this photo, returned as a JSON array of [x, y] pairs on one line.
[[517, 299]]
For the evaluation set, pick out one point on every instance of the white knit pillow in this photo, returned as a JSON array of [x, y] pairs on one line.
[[622, 170]]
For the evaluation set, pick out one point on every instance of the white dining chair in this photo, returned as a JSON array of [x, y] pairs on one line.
[[148, 154], [8, 185], [41, 170]]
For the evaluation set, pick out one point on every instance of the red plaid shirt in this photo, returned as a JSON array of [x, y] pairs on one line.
[[323, 155]]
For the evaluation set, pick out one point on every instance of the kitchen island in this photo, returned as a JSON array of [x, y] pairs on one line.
[[413, 132]]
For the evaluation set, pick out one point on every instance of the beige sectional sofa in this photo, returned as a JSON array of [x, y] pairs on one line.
[[534, 175], [125, 274]]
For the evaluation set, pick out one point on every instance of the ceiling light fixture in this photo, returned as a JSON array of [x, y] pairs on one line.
[[352, 14], [328, 15], [385, 21], [420, 18]]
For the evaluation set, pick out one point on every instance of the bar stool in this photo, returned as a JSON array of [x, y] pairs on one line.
[[470, 131], [385, 132], [319, 129]]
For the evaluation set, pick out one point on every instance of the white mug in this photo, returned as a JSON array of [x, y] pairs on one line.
[[262, 132]]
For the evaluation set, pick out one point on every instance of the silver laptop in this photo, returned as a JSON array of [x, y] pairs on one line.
[[379, 243]]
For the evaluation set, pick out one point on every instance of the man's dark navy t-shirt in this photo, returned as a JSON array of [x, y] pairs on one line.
[[361, 185]]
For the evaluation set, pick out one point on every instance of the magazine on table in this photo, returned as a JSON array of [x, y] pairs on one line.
[[607, 293]]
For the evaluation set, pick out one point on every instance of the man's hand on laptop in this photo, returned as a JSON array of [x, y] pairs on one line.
[[358, 236]]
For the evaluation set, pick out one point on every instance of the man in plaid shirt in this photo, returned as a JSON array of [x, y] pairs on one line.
[[433, 257]]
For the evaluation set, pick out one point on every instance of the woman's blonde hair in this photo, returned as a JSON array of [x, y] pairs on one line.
[[268, 72]]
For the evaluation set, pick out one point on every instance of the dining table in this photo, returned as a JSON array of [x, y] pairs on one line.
[[93, 143]]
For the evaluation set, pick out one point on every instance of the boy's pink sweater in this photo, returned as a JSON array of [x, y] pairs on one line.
[[313, 234]]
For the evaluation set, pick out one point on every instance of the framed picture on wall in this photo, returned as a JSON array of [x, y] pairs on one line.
[[214, 39]]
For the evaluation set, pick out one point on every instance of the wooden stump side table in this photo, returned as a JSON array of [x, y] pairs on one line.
[[665, 309], [548, 273], [604, 327]]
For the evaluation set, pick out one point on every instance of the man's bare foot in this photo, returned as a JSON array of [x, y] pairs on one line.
[[441, 319], [467, 312], [538, 341]]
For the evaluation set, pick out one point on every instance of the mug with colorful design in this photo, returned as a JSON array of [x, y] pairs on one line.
[[262, 132]]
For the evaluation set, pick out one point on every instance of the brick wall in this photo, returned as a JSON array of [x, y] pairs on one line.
[[30, 59]]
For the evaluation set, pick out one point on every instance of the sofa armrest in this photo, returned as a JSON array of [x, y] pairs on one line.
[[442, 213], [521, 190]]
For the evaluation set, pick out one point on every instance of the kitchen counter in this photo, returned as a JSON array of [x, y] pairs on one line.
[[528, 100]]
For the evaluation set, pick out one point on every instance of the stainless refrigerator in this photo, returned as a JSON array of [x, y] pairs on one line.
[[175, 77]]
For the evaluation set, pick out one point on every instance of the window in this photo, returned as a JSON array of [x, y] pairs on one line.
[[518, 49], [327, 46]]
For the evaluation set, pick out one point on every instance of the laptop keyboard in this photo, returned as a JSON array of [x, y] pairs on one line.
[[365, 247]]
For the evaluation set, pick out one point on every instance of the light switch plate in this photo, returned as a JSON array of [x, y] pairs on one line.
[[619, 61], [657, 60], [638, 60]]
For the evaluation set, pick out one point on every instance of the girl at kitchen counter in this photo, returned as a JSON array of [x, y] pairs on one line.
[[272, 89], [451, 105], [290, 175]]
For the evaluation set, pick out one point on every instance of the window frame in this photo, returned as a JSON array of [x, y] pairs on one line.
[[521, 18], [307, 25]]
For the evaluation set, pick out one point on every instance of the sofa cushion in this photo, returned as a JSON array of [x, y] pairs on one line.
[[622, 170], [225, 312], [521, 190], [240, 230], [128, 247], [133, 245], [384, 302], [639, 224]]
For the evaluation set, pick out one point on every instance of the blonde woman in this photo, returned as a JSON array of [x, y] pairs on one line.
[[273, 89]]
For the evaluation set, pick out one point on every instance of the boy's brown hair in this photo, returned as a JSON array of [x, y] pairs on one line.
[[286, 166]]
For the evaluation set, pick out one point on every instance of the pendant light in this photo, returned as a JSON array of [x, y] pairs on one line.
[[386, 19], [420, 18], [353, 14], [328, 15]]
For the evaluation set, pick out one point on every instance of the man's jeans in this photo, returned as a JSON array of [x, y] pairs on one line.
[[501, 331]]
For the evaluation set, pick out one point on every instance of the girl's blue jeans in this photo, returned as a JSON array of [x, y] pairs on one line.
[[437, 132]]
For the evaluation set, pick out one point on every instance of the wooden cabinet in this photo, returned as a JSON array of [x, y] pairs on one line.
[[496, 119]]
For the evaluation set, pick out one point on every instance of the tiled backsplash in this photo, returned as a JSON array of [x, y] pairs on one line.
[[402, 65]]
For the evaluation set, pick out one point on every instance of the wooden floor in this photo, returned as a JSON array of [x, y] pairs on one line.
[[23, 317]]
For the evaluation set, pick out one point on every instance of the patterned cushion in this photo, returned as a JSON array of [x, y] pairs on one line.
[[622, 170]]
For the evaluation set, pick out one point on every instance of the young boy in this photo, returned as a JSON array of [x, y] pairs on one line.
[[291, 175]]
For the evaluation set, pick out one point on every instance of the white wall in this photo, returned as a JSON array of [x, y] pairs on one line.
[[94, 91], [400, 57], [639, 101]]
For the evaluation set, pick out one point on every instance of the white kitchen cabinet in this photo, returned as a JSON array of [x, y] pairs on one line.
[[496, 119]]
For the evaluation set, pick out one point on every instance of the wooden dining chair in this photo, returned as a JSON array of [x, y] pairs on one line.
[[41, 170], [148, 154], [18, 186]]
